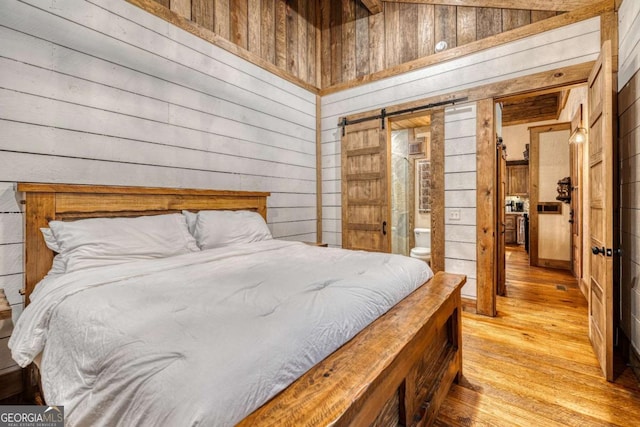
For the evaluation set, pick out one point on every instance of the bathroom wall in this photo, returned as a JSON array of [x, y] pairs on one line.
[[400, 192]]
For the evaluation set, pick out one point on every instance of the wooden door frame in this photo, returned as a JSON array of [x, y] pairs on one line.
[[534, 193], [437, 187]]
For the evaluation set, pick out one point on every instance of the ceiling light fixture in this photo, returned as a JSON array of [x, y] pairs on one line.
[[441, 45]]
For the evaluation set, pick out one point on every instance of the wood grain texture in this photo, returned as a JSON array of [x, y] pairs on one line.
[[519, 365], [437, 188], [362, 40], [202, 13], [239, 16], [349, 40], [602, 158], [408, 17], [373, 6], [182, 8], [486, 208], [461, 50], [540, 15], [267, 33], [254, 26], [467, 31], [391, 35], [564, 5], [425, 32], [515, 18], [445, 25], [222, 19], [48, 202], [489, 22], [291, 50], [267, 59], [257, 30]]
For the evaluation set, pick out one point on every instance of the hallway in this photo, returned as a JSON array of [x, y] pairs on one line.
[[533, 365]]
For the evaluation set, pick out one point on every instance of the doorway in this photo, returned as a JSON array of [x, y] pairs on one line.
[[533, 218], [379, 201]]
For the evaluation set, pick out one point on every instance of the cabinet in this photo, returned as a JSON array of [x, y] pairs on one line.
[[510, 234], [517, 178]]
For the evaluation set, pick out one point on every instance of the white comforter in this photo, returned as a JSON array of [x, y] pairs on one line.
[[202, 338]]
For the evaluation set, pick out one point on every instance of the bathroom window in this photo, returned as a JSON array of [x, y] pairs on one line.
[[424, 185]]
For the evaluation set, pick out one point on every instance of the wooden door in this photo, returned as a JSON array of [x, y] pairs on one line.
[[366, 212], [576, 209], [601, 209], [502, 221]]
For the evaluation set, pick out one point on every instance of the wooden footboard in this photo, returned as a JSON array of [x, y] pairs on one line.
[[395, 372]]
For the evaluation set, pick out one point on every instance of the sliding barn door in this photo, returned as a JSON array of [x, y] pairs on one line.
[[366, 212], [601, 209]]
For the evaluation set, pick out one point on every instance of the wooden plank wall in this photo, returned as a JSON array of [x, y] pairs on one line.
[[629, 121], [282, 32], [460, 183], [101, 92], [11, 236], [356, 43], [573, 44]]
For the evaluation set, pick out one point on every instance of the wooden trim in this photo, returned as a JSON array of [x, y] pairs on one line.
[[554, 263], [179, 21], [545, 5], [437, 188], [181, 7], [47, 202], [584, 287], [609, 31], [469, 305], [577, 15], [373, 6], [517, 162], [105, 189], [534, 190], [486, 200], [318, 169], [552, 80]]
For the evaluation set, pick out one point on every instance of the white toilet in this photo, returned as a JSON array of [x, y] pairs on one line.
[[423, 244]]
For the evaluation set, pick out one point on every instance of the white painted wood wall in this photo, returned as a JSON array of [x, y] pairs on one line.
[[101, 92], [557, 48], [629, 112], [460, 184]]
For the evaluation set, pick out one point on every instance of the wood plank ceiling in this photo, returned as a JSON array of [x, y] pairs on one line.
[[328, 42], [532, 108]]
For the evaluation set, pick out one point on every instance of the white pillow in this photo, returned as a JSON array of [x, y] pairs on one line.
[[220, 228], [191, 218], [59, 264], [97, 242]]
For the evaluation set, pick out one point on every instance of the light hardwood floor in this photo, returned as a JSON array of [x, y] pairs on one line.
[[533, 365]]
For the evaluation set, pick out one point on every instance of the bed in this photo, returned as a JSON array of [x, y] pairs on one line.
[[396, 371]]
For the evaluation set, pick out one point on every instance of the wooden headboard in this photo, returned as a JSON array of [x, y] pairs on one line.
[[48, 202]]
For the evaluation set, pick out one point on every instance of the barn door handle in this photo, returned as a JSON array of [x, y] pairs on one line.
[[596, 250], [384, 228]]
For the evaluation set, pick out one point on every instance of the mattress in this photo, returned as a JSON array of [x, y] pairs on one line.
[[202, 338]]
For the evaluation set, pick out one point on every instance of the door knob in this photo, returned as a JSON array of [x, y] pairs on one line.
[[596, 250]]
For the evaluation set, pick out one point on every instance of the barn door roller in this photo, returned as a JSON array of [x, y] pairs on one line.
[[344, 122]]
